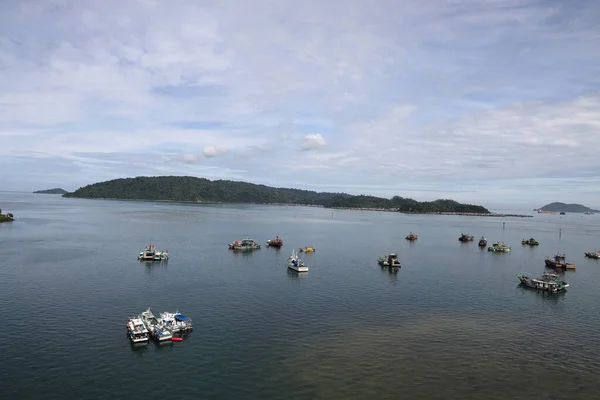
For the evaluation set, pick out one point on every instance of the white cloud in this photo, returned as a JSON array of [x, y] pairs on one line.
[[212, 151], [437, 92], [313, 141]]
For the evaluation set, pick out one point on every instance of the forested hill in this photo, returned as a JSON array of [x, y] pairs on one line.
[[187, 188], [52, 191], [562, 207]]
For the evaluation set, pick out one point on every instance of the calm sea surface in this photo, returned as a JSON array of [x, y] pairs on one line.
[[452, 323]]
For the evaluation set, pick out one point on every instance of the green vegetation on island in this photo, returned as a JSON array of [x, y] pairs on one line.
[[6, 217], [563, 207], [52, 191], [191, 189]]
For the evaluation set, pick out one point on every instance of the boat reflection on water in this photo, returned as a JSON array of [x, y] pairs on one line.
[[138, 347], [391, 271], [552, 297], [295, 275], [243, 253], [150, 266]]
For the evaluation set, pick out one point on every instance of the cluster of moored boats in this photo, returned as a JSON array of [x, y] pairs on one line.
[[249, 244], [294, 261], [146, 325], [549, 282], [167, 327]]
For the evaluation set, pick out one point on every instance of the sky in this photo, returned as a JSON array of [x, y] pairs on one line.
[[492, 102]]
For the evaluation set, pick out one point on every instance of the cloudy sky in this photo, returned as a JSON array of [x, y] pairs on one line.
[[485, 101]]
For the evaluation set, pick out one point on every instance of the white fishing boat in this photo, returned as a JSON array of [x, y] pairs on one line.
[[389, 260], [156, 326], [137, 331], [176, 322], [151, 253], [296, 263]]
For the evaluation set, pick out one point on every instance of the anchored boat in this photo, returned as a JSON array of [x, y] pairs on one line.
[[482, 242], [137, 332], [499, 247], [465, 237], [306, 249], [389, 260], [176, 322], [547, 282], [593, 254], [558, 261], [296, 263], [152, 254], [156, 326], [530, 242], [277, 242], [244, 245], [412, 236]]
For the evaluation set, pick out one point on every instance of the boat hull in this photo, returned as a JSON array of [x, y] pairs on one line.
[[244, 248], [386, 264], [543, 284], [298, 268], [555, 265], [135, 340]]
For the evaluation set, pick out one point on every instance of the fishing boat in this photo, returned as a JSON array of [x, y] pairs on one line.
[[306, 249], [530, 242], [277, 242], [412, 236], [482, 242], [156, 326], [244, 245], [152, 254], [547, 282], [137, 331], [558, 261], [593, 254], [465, 238], [176, 322], [296, 263], [389, 260], [499, 247]]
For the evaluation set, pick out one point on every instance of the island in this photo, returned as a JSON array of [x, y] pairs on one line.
[[8, 217], [201, 190], [563, 207], [52, 191]]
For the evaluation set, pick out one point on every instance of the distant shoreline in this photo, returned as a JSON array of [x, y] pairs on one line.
[[497, 215]]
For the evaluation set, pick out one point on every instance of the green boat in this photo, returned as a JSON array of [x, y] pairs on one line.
[[244, 245], [530, 242], [499, 247]]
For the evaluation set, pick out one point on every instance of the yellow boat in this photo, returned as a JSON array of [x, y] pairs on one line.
[[306, 249]]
